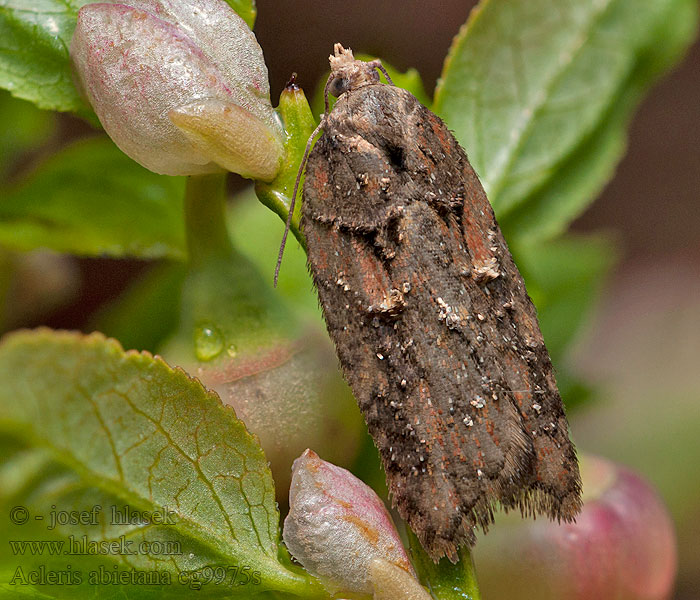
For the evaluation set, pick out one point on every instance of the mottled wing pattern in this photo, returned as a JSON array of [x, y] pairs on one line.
[[432, 324]]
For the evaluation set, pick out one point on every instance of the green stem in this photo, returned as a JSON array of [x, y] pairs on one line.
[[298, 124], [224, 290], [446, 581], [205, 217], [279, 204]]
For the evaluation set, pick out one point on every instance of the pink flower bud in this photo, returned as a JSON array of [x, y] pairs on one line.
[[180, 87], [337, 526], [621, 547]]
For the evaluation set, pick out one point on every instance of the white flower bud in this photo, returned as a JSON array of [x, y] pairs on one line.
[[337, 526], [181, 87]]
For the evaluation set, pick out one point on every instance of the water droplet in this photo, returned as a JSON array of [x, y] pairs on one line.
[[208, 342], [232, 350]]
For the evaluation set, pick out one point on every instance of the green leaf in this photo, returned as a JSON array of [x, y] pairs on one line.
[[88, 427], [548, 211], [91, 199], [246, 10], [34, 60], [527, 83], [563, 278], [23, 127]]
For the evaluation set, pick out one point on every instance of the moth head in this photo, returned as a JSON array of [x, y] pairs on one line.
[[348, 74]]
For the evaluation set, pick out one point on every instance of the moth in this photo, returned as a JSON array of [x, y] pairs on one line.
[[430, 318]]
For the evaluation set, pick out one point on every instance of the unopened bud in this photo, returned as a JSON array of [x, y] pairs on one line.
[[337, 526], [622, 546], [180, 87]]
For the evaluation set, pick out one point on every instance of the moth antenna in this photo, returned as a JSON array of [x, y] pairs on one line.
[[378, 65], [331, 77], [294, 198]]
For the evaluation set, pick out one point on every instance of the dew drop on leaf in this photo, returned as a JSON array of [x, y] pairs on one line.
[[208, 342]]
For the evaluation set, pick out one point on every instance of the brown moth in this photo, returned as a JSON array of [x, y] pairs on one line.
[[430, 317]]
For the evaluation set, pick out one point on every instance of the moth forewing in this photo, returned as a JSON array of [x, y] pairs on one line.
[[430, 318]]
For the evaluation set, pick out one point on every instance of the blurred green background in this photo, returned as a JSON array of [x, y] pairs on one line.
[[640, 348]]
